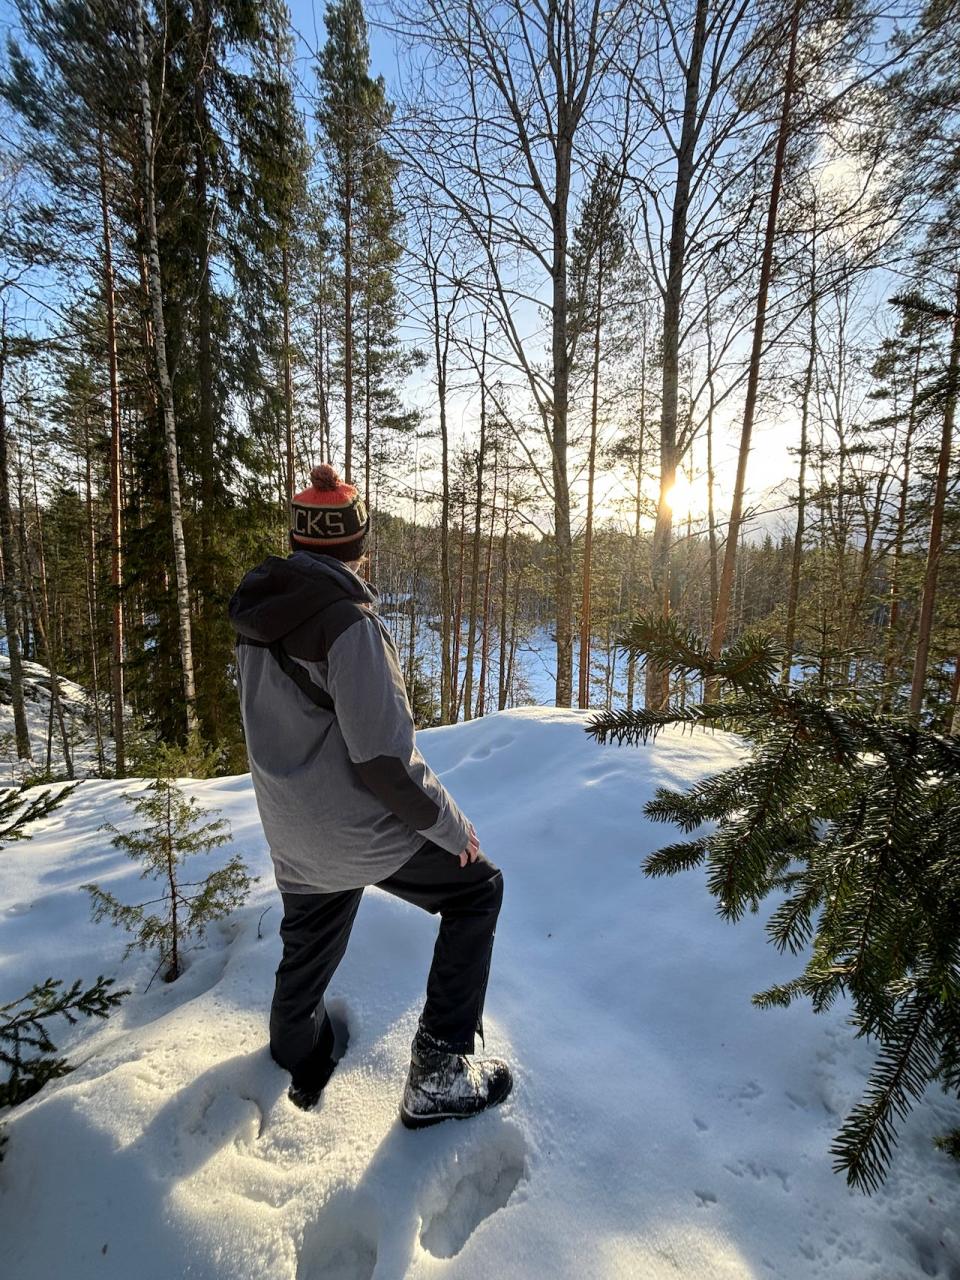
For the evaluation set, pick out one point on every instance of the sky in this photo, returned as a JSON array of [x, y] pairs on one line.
[[770, 464]]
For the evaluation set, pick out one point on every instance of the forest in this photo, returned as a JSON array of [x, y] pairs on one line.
[[646, 307], [635, 327]]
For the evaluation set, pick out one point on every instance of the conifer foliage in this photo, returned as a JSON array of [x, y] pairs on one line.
[[26, 1049], [18, 811], [169, 830], [852, 820], [27, 1052]]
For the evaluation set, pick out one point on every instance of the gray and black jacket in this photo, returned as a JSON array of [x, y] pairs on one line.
[[345, 797]]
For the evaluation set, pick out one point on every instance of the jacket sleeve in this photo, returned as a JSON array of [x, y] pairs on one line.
[[364, 679]]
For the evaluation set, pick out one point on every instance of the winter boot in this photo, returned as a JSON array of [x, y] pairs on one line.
[[449, 1086], [310, 1077]]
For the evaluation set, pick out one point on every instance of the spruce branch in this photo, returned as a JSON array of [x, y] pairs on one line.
[[39, 806], [853, 818], [26, 1047]]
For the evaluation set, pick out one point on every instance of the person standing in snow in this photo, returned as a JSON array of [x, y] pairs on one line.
[[347, 800]]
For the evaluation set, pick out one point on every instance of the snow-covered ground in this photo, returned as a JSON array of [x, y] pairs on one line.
[[660, 1127], [78, 717]]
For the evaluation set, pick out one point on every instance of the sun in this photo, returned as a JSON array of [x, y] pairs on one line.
[[687, 499]]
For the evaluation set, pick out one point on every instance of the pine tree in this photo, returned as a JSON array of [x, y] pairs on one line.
[[599, 246], [272, 247], [854, 818], [353, 114], [169, 831]]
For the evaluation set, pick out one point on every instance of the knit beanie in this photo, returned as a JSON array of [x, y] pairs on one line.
[[330, 516]]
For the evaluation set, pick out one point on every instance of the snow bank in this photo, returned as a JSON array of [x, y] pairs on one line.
[[660, 1126], [77, 707]]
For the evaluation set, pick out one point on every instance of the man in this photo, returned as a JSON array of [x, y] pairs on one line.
[[347, 800]]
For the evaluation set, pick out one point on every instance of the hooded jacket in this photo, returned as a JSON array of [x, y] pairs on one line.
[[345, 797]]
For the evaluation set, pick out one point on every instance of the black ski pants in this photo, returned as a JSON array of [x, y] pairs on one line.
[[316, 928]]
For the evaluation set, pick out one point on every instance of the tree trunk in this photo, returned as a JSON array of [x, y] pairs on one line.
[[367, 404], [456, 691], [796, 560], [91, 592], [935, 545], [502, 688], [475, 548], [514, 616], [753, 381], [166, 387], [116, 531], [287, 372], [414, 585], [637, 501], [210, 617], [658, 678], [348, 326], [890, 655], [10, 575], [560, 357], [584, 672], [441, 348], [485, 644]]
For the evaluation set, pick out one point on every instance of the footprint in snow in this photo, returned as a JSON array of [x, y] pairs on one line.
[[758, 1171], [342, 1243], [484, 752], [481, 1184], [227, 1117]]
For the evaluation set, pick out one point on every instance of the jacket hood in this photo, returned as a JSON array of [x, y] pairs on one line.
[[281, 593]]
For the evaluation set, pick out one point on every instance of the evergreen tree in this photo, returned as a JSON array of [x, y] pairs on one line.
[[855, 819], [274, 229], [77, 138], [168, 832], [599, 247], [353, 115]]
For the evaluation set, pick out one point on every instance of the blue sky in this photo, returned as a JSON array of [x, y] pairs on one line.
[[770, 461]]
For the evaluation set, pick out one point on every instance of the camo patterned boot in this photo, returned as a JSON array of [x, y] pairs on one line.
[[449, 1086]]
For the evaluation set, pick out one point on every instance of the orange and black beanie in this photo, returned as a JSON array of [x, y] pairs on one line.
[[330, 516]]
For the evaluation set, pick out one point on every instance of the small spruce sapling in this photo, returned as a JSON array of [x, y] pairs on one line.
[[170, 831], [853, 819]]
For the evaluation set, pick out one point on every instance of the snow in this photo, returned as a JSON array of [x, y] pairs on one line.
[[660, 1125], [78, 717]]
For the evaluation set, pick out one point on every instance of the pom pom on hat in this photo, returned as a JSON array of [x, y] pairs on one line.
[[324, 478]]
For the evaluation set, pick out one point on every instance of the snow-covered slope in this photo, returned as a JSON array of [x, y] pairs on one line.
[[77, 715], [660, 1126]]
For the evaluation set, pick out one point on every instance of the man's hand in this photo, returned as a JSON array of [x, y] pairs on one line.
[[472, 850]]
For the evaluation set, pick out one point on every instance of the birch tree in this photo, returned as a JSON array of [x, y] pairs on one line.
[[512, 100], [165, 382]]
